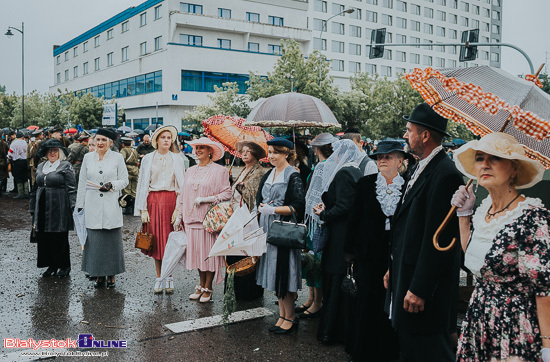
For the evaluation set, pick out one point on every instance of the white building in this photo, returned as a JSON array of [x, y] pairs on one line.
[[165, 56]]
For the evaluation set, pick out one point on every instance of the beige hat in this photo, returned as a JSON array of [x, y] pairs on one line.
[[161, 129], [504, 146], [216, 147]]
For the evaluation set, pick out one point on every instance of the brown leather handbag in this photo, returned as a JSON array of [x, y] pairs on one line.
[[144, 238]]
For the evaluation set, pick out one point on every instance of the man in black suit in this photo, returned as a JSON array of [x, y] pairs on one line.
[[423, 282]]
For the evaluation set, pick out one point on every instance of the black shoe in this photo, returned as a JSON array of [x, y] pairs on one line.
[[307, 314], [325, 340], [63, 272], [295, 324], [99, 282], [275, 328], [302, 308], [49, 272], [111, 282]]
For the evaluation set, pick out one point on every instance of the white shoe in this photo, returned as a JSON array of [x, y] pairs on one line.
[[169, 285], [206, 299], [197, 294], [158, 286]]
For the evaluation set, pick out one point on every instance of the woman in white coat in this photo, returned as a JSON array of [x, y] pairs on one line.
[[103, 175], [158, 192]]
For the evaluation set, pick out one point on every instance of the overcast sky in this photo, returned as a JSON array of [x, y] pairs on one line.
[[49, 22]]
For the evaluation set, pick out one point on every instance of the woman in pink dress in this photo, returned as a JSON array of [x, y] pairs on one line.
[[205, 184], [160, 181]]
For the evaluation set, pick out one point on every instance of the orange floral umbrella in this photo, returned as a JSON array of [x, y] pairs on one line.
[[230, 130], [487, 100]]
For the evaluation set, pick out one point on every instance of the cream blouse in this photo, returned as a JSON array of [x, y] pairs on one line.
[[163, 177]]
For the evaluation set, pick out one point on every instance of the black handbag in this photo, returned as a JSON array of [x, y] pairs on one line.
[[287, 234], [349, 286], [319, 238]]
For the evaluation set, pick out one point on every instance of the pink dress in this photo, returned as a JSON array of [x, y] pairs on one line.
[[202, 181]]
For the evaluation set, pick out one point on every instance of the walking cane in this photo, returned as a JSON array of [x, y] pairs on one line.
[[444, 225]]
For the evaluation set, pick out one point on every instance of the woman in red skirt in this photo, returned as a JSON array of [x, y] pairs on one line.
[[159, 184]]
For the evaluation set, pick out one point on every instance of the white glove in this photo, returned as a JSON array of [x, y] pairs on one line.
[[267, 210], [177, 224], [202, 200], [145, 217], [174, 216], [464, 200], [546, 355]]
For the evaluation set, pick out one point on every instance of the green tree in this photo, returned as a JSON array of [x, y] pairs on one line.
[[84, 109], [8, 103], [294, 72], [2, 89], [33, 110], [226, 100], [545, 80]]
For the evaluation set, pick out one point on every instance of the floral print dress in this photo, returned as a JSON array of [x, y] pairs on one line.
[[501, 320]]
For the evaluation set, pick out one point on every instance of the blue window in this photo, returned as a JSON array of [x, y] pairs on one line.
[[224, 43], [224, 13], [275, 20], [147, 83], [275, 49], [194, 81], [254, 47], [253, 17], [140, 84], [191, 8], [191, 39]]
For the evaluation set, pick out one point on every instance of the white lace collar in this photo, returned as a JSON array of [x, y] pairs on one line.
[[388, 195], [485, 232], [494, 226], [50, 167]]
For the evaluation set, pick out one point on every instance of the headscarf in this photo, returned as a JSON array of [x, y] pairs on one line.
[[345, 153]]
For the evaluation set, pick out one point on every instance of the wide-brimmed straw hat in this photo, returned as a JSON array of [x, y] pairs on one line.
[[215, 146], [256, 148], [504, 146], [173, 131]]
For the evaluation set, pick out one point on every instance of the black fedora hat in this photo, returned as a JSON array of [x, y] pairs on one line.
[[51, 143], [385, 147], [424, 115]]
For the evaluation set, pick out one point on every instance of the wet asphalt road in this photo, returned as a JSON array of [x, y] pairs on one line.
[[45, 308]]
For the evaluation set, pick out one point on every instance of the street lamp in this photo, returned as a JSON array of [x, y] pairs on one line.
[[9, 34], [347, 11]]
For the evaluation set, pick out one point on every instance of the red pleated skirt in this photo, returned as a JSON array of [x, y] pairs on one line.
[[160, 205]]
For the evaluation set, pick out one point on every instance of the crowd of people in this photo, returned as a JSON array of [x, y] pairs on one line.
[[370, 219]]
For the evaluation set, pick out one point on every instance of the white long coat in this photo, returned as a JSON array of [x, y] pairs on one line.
[[102, 210], [142, 190]]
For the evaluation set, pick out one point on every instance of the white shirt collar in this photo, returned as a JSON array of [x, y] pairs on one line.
[[50, 167]]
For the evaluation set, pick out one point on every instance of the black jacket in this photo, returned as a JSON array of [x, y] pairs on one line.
[[338, 202], [416, 265], [58, 188]]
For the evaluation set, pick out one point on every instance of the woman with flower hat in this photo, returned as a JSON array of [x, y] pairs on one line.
[[205, 184], [507, 248], [159, 186]]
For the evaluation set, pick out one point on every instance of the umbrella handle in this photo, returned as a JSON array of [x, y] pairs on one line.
[[444, 225]]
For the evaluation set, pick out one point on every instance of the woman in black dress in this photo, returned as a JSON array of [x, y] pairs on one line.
[[51, 205], [371, 336]]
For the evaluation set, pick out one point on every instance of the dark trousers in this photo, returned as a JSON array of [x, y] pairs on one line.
[[425, 348], [19, 171]]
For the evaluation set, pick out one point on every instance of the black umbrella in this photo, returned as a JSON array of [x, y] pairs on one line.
[[139, 131], [153, 127]]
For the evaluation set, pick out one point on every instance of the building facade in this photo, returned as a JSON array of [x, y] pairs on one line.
[[162, 58]]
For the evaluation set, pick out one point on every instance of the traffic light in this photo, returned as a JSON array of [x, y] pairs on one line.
[[468, 52], [377, 37], [122, 118]]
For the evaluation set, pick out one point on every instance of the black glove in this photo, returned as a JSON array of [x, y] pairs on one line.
[[106, 187]]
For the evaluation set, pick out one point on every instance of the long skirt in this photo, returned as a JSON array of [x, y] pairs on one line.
[[199, 243], [53, 247], [160, 205], [103, 253]]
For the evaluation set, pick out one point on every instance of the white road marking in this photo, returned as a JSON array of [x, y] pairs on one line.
[[214, 321]]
